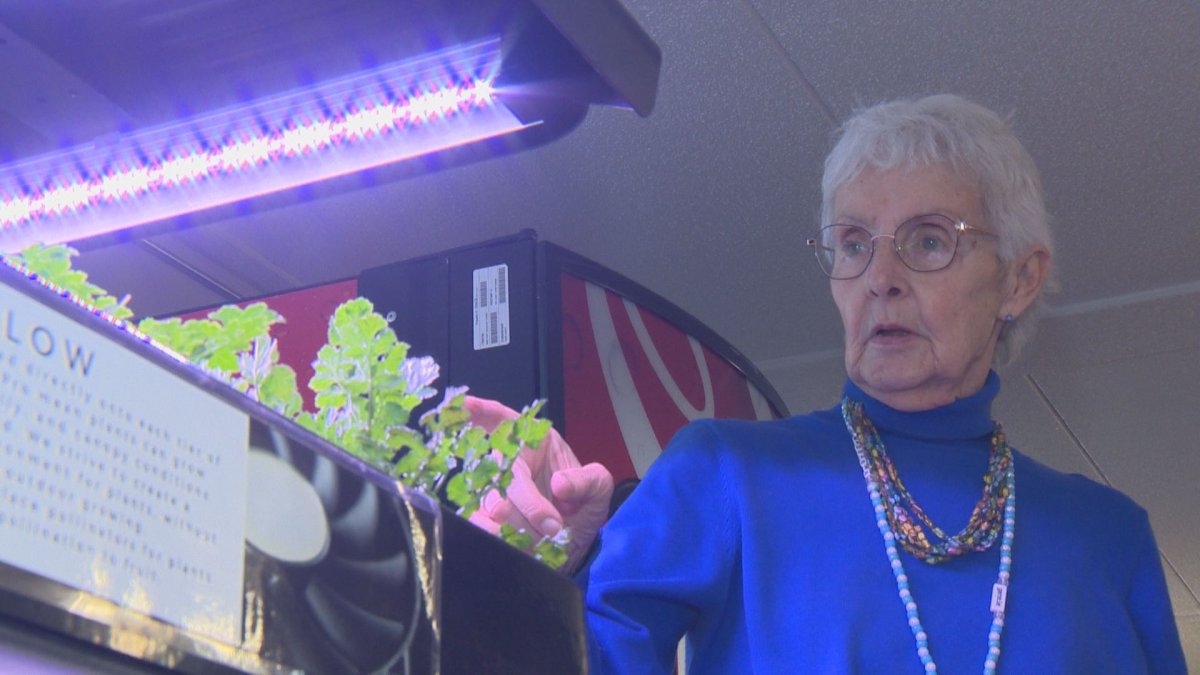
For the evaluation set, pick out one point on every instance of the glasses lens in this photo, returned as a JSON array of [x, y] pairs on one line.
[[927, 243], [843, 250]]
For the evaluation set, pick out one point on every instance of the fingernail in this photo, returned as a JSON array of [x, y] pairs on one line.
[[550, 527], [489, 500]]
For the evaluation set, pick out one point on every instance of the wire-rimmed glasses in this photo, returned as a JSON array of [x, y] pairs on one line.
[[925, 243]]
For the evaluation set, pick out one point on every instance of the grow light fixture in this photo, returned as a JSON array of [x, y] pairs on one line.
[[396, 112]]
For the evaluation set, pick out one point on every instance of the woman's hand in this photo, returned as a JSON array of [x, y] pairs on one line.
[[549, 489]]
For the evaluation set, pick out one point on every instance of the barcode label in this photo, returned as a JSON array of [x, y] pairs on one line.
[[491, 322]]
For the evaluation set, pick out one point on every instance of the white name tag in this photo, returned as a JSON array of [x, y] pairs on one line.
[[999, 597]]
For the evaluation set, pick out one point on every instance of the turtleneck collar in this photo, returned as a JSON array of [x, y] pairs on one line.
[[968, 417]]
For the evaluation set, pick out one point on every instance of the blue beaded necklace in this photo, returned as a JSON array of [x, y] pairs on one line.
[[864, 434]]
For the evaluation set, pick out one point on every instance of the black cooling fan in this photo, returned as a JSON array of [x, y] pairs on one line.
[[343, 591]]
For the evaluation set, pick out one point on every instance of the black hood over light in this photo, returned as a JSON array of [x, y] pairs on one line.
[[107, 71]]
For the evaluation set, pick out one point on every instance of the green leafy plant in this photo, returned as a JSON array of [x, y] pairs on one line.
[[234, 343], [53, 263], [366, 388]]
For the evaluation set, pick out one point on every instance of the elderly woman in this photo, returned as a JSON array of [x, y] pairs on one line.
[[835, 541]]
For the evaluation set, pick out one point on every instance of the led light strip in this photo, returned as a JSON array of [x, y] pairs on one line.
[[242, 154], [299, 138]]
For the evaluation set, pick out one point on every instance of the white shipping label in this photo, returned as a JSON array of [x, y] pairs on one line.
[[118, 477], [490, 290]]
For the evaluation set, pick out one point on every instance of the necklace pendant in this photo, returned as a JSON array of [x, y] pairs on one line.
[[999, 597]]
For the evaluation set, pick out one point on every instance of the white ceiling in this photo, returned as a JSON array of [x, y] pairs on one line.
[[709, 199]]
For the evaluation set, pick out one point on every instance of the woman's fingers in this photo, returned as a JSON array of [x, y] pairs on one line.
[[526, 507], [549, 489], [483, 521], [585, 488], [488, 413]]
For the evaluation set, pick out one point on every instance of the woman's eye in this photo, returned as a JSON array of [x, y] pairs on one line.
[[930, 243], [853, 247], [928, 238]]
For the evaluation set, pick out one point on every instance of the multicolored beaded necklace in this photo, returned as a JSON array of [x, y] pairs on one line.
[[895, 510]]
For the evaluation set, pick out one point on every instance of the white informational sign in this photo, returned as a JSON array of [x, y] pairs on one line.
[[490, 291], [117, 477]]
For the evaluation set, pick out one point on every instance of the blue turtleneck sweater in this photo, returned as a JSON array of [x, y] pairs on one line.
[[758, 540]]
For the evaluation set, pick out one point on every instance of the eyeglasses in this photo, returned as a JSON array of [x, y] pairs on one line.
[[926, 243]]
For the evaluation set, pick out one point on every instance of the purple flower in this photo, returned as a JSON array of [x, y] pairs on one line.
[[418, 374]]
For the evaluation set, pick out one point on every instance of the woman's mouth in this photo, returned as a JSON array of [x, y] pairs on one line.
[[890, 333]]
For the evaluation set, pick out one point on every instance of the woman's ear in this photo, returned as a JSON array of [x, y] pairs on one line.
[[1026, 277]]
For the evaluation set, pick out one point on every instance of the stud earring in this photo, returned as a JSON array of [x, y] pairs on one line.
[[1008, 318]]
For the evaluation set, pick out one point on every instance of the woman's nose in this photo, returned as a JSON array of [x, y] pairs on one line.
[[886, 273]]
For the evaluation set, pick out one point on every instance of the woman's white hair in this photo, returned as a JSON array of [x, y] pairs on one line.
[[973, 141]]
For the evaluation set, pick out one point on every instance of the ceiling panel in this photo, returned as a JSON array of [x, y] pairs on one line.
[[1104, 95], [115, 274]]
